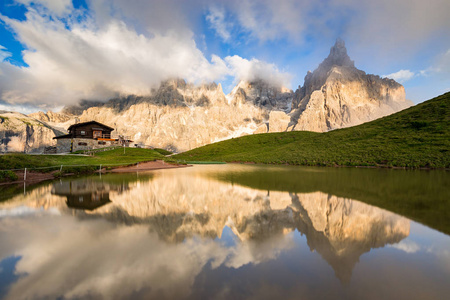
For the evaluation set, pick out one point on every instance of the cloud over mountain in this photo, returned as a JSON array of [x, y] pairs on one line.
[[108, 47], [71, 60]]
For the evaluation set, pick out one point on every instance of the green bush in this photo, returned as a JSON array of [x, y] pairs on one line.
[[8, 176], [57, 174]]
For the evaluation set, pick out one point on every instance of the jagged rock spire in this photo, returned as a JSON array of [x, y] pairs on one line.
[[338, 95], [338, 56]]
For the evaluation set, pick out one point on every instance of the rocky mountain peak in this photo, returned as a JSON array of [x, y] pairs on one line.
[[338, 95], [338, 56], [261, 94]]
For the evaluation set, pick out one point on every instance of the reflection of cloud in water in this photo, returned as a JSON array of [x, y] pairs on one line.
[[407, 246], [22, 211], [96, 255], [63, 256]]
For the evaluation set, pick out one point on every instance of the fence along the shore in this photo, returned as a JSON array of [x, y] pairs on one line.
[[61, 167]]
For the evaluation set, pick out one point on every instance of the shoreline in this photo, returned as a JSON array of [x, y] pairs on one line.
[[147, 166], [37, 177], [337, 166]]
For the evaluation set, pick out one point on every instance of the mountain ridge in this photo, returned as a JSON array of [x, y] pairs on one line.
[[180, 116]]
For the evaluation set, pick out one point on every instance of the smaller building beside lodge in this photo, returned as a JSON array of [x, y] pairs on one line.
[[87, 136]]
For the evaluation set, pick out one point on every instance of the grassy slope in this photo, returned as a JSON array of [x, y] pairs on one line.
[[416, 137], [132, 155]]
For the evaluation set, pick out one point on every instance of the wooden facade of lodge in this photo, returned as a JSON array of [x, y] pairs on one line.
[[87, 136], [88, 130]]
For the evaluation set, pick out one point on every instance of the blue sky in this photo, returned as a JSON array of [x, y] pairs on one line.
[[55, 52]]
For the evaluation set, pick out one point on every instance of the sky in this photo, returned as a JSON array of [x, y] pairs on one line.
[[55, 52]]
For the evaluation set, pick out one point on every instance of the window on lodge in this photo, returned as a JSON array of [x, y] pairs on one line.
[[82, 132], [97, 134]]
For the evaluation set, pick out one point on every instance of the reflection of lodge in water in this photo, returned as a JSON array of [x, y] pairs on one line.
[[89, 201], [86, 194]]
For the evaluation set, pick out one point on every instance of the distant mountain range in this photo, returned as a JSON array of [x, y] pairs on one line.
[[180, 116]]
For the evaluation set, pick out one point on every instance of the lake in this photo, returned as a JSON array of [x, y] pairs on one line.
[[229, 232]]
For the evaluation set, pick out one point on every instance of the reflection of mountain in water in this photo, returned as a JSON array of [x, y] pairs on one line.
[[178, 205], [341, 230]]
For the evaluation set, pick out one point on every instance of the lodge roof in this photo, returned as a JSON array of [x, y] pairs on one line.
[[88, 123], [65, 136]]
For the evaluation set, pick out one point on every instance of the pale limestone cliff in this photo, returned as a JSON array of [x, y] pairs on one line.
[[21, 133], [262, 94], [58, 121], [51, 117], [178, 116], [338, 95]]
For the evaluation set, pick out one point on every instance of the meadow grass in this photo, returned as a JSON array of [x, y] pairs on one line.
[[418, 137], [111, 157]]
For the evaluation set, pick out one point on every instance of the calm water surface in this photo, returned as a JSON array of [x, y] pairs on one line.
[[229, 232]]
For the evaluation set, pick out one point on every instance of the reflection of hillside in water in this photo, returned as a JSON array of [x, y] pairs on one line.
[[178, 207]]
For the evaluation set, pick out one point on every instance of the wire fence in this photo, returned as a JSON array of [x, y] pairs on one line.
[[61, 167]]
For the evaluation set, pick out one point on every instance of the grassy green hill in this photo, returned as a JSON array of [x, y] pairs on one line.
[[414, 138], [111, 157]]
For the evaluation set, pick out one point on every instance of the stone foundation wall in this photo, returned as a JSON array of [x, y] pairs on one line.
[[63, 145]]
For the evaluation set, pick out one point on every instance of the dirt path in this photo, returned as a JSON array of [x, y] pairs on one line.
[[147, 166]]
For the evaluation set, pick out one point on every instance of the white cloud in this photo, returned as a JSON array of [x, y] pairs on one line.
[[66, 65], [4, 53], [254, 69], [67, 258], [58, 7], [23, 108], [21, 211], [406, 246], [385, 23], [440, 67], [443, 63], [127, 47], [216, 18], [401, 76], [269, 20], [69, 61]]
